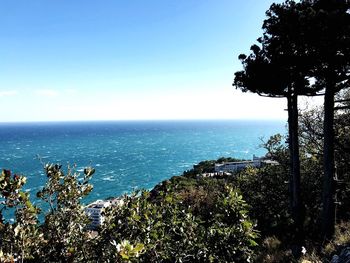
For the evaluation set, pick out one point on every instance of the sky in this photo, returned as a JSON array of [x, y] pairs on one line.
[[64, 60]]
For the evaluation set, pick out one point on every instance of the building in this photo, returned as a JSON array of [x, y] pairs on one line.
[[94, 212], [238, 166]]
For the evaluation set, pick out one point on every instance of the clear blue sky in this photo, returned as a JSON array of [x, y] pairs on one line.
[[105, 60]]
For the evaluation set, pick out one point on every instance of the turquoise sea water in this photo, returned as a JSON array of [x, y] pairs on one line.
[[127, 154]]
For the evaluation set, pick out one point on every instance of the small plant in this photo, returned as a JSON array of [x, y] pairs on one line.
[[173, 226], [65, 224], [20, 239], [127, 251]]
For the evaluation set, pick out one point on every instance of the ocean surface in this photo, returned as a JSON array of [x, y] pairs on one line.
[[127, 155]]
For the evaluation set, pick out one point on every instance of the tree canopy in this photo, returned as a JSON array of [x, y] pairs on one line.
[[304, 49]]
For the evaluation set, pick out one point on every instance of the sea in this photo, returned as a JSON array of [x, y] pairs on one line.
[[127, 155]]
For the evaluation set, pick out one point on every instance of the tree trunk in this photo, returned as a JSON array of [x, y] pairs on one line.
[[295, 199], [328, 212]]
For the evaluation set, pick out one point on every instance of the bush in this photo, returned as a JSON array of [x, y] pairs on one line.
[[62, 236], [187, 220], [172, 228]]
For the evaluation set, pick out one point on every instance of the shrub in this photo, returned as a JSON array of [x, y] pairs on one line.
[[171, 230]]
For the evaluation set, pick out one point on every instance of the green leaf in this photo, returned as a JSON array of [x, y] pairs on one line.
[[138, 247], [253, 243], [123, 255]]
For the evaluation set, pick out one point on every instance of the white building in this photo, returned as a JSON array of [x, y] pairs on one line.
[[94, 212], [95, 209], [238, 166]]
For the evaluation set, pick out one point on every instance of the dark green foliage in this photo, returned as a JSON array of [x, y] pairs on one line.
[[63, 236], [64, 227], [19, 240], [266, 191], [303, 41], [184, 220], [311, 127], [276, 149], [208, 166], [196, 222], [282, 67]]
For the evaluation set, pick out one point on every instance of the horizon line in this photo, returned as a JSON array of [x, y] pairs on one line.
[[137, 120]]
